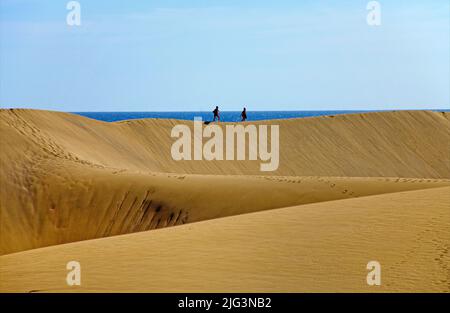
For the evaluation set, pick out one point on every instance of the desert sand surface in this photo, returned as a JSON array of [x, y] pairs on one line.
[[408, 144], [349, 189], [313, 247]]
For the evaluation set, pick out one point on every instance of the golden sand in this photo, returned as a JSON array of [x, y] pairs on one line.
[[349, 189]]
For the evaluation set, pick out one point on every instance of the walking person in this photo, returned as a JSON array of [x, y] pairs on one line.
[[244, 115], [216, 114]]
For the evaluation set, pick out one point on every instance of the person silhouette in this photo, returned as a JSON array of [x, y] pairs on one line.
[[216, 114], [244, 115]]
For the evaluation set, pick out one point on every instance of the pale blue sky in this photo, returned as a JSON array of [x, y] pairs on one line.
[[191, 55]]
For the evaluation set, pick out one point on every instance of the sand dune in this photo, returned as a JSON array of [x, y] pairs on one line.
[[314, 247], [74, 203], [349, 189], [67, 178], [386, 144]]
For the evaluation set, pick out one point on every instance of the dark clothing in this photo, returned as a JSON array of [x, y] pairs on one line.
[[216, 114], [244, 115]]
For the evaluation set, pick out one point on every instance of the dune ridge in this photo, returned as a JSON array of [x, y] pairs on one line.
[[95, 203], [405, 144]]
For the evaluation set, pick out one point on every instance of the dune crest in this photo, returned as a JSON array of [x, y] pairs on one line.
[[406, 144]]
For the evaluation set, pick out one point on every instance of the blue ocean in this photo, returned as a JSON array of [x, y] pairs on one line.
[[225, 116]]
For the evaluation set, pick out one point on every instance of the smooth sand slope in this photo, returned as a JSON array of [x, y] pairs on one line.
[[67, 178], [314, 247]]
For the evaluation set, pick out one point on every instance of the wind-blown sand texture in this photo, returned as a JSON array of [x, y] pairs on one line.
[[349, 189]]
